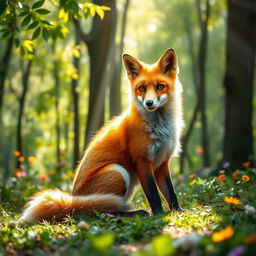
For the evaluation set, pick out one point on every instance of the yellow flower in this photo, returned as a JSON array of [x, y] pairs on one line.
[[231, 200], [192, 175], [245, 178], [221, 177], [192, 182], [250, 239], [31, 159], [223, 234], [17, 153]]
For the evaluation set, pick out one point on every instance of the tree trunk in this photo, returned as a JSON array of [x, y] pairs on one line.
[[99, 46], [75, 94], [115, 105], [22, 100], [238, 81], [4, 65], [56, 104], [202, 55]]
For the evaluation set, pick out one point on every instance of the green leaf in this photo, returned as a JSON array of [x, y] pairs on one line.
[[3, 6], [33, 25], [45, 34], [46, 22], [103, 242], [24, 13], [36, 33], [38, 4], [42, 11], [17, 41], [162, 245], [25, 7], [26, 20]]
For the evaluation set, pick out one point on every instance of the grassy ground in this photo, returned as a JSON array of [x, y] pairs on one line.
[[219, 219]]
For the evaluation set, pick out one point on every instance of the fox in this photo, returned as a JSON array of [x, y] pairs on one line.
[[133, 148]]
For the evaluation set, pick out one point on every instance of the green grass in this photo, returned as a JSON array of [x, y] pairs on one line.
[[173, 233]]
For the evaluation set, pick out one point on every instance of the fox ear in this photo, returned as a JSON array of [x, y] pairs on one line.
[[168, 62], [132, 66]]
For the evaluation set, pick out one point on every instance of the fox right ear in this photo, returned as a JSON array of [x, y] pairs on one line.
[[132, 66]]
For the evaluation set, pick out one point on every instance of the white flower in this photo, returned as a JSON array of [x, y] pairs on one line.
[[249, 210]]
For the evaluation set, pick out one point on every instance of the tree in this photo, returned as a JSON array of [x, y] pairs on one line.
[[22, 100], [74, 85], [116, 67], [238, 80], [99, 42]]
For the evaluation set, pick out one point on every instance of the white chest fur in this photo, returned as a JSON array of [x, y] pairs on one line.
[[161, 126]]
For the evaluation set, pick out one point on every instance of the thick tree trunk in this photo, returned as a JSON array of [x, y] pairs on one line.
[[115, 105], [75, 94], [238, 80], [22, 101], [102, 37]]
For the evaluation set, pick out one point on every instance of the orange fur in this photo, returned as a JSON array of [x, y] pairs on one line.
[[119, 154]]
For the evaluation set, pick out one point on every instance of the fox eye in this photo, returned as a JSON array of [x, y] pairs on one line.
[[160, 87], [142, 88]]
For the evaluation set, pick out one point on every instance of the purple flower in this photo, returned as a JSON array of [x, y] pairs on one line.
[[226, 164], [237, 251], [110, 215]]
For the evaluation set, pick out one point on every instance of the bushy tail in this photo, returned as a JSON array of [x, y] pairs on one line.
[[55, 204]]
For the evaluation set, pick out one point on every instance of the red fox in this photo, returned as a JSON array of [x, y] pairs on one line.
[[134, 147]]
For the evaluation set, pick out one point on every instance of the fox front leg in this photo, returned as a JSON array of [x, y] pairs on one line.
[[164, 182], [147, 180]]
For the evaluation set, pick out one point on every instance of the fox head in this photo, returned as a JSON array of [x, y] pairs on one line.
[[153, 85]]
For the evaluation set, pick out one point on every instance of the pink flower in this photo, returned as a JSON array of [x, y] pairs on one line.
[[237, 251], [62, 164]]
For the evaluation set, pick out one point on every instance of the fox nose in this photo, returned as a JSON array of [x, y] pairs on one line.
[[149, 103]]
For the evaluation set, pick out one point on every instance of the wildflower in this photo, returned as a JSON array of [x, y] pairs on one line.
[[83, 225], [251, 239], [192, 182], [245, 178], [192, 175], [62, 153], [237, 251], [109, 215], [200, 151], [19, 173], [235, 172], [246, 164], [17, 153], [223, 234], [43, 177], [21, 159], [62, 164], [232, 200], [180, 178], [249, 210], [226, 164], [221, 177], [31, 159]]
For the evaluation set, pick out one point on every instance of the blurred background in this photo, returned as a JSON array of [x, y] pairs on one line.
[[61, 77]]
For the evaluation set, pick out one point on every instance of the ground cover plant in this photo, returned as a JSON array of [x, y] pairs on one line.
[[219, 218]]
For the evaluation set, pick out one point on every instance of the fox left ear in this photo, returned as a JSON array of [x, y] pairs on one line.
[[168, 62]]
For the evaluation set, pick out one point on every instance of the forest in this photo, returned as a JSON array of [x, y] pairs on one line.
[[62, 77]]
